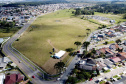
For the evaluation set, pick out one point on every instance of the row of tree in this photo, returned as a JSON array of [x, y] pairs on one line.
[[79, 11], [106, 8], [35, 3]]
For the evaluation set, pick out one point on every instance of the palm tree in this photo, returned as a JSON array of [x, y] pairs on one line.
[[87, 33], [77, 43], [59, 66], [86, 44]]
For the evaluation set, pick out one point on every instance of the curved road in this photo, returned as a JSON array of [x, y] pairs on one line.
[[25, 66]]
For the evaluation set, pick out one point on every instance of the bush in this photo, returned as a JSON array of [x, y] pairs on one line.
[[118, 78]]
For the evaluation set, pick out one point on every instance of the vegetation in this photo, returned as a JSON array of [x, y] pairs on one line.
[[59, 66], [124, 16], [78, 75], [7, 28], [106, 42], [48, 33], [32, 3], [110, 8], [86, 44], [77, 43], [118, 41], [102, 82], [84, 11]]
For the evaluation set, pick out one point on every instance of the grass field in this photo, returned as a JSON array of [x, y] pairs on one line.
[[117, 18], [59, 29], [12, 31]]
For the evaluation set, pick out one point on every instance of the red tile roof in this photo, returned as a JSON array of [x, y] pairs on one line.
[[13, 78], [115, 59]]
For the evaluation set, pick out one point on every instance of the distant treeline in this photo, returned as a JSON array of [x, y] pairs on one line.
[[109, 8], [84, 11], [18, 4]]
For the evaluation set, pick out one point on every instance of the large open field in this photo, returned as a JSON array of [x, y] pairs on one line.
[[59, 30]]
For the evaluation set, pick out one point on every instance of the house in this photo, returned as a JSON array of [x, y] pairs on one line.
[[122, 56], [13, 78], [100, 64], [86, 67], [125, 42], [91, 62], [108, 63], [3, 62], [114, 46], [2, 77], [115, 59]]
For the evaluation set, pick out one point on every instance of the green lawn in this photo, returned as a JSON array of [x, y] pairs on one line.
[[60, 29], [118, 17]]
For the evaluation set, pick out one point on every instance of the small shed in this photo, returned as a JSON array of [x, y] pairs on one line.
[[59, 54]]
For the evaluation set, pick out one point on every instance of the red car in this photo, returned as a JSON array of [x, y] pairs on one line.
[[33, 76]]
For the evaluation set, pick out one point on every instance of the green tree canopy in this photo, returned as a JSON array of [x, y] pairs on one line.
[[59, 66], [86, 44], [118, 41], [77, 43]]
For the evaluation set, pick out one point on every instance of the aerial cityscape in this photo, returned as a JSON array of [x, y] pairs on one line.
[[62, 41]]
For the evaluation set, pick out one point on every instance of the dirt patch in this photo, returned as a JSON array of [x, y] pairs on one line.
[[104, 22], [49, 41], [49, 65]]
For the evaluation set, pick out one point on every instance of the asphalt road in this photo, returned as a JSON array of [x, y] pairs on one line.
[[25, 66]]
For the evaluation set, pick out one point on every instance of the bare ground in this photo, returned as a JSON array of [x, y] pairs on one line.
[[49, 65]]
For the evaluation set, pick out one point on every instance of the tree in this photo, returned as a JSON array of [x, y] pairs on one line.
[[88, 29], [77, 43], [118, 41], [93, 51], [86, 44], [84, 53], [97, 72], [87, 33], [124, 16], [59, 66], [71, 80], [106, 42], [69, 49]]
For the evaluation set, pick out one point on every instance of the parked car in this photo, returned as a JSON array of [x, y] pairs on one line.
[[33, 76]]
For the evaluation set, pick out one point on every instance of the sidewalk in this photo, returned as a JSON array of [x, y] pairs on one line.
[[108, 75]]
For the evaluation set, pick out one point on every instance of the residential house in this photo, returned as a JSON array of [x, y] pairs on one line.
[[13, 78], [122, 56], [108, 63], [114, 46], [91, 62], [115, 59], [2, 77], [86, 67]]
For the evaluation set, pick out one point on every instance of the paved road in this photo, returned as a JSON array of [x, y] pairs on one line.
[[24, 65], [113, 72]]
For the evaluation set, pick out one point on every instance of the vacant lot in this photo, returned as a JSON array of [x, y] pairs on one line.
[[59, 30], [118, 17]]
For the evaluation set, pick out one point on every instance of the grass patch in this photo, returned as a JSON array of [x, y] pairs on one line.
[[61, 29], [106, 71], [115, 76], [102, 82], [114, 67]]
